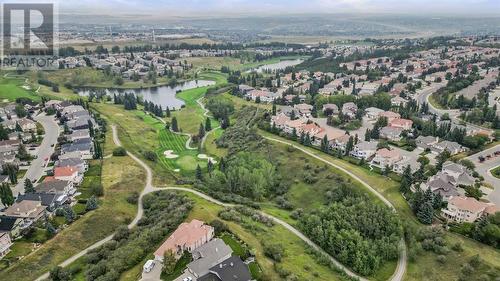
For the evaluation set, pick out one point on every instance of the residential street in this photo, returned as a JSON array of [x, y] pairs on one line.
[[484, 170], [36, 169]]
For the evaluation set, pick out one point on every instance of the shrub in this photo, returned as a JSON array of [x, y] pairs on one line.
[[275, 252], [96, 189], [119, 151], [133, 198], [150, 155]]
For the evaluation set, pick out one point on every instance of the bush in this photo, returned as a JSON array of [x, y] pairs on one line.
[[150, 155], [275, 252], [133, 198], [96, 189], [119, 151]]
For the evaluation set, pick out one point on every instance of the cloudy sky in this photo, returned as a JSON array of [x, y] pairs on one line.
[[213, 7]]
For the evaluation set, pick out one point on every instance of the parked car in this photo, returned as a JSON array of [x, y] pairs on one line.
[[148, 266]]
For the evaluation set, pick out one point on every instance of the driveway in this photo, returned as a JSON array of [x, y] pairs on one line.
[[154, 274], [45, 150], [484, 170]]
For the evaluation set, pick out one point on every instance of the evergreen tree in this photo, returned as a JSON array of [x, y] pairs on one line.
[[406, 180], [10, 170], [349, 146], [210, 167], [6, 195], [4, 134], [426, 213], [208, 125], [28, 186], [274, 109], [368, 135], [174, 125], [51, 230], [69, 214], [91, 204], [199, 173], [22, 153], [201, 131], [324, 144], [169, 262], [168, 112], [222, 165]]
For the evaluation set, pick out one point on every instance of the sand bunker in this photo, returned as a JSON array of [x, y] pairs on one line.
[[204, 156], [169, 154]]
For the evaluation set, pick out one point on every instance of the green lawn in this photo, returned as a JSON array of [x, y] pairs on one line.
[[424, 266], [11, 88], [296, 259], [496, 172], [235, 245], [121, 177], [191, 116]]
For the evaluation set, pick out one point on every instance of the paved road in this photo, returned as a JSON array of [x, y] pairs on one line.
[[484, 170], [38, 165], [424, 94], [401, 267]]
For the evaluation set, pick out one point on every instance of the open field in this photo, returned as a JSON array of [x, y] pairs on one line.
[[80, 46], [190, 117], [121, 176], [11, 88], [420, 267], [296, 259], [216, 63]]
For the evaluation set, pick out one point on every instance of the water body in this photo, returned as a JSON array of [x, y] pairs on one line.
[[277, 66], [161, 95]]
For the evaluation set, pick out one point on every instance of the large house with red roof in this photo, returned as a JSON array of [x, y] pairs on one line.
[[187, 237]]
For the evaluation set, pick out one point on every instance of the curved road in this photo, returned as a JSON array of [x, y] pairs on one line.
[[45, 150]]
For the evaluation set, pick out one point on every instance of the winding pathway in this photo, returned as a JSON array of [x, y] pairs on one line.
[[402, 261], [148, 188]]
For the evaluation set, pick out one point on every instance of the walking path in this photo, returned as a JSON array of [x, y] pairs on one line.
[[148, 188], [402, 261]]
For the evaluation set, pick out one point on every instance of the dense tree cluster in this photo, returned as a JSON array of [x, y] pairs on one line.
[[129, 100], [153, 108], [486, 230], [163, 212], [360, 233]]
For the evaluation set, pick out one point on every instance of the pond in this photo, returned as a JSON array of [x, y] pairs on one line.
[[161, 95], [277, 66]]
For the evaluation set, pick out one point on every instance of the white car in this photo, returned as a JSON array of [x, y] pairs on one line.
[[188, 279], [148, 266]]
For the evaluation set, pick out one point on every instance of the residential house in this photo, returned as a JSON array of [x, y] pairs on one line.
[[442, 184], [391, 133], [53, 186], [48, 200], [372, 113], [207, 256], [232, 268], [294, 125], [452, 147], [426, 142], [364, 149], [78, 134], [27, 125], [264, 96], [28, 210], [79, 163], [310, 129], [330, 108], [85, 149], [331, 135], [5, 243], [467, 209], [68, 173], [187, 237], [11, 225], [397, 101], [244, 89], [340, 143], [304, 109], [460, 173], [400, 166], [404, 124], [385, 158], [389, 115], [349, 109]]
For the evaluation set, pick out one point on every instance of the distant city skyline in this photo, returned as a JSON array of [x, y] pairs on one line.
[[267, 7]]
